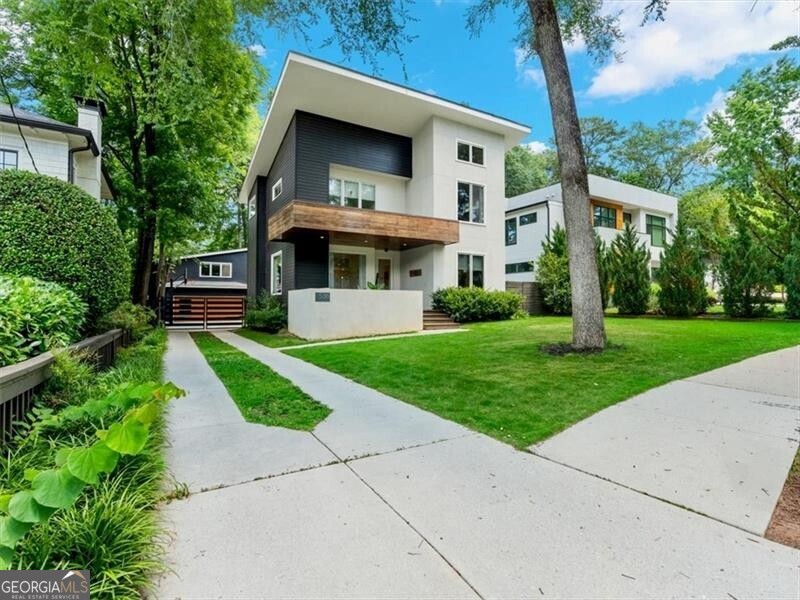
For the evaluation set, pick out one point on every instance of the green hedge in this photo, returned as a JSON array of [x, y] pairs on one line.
[[36, 316], [467, 305], [55, 231], [266, 313]]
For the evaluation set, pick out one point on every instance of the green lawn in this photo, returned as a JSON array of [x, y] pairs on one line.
[[262, 395], [271, 340], [495, 379]]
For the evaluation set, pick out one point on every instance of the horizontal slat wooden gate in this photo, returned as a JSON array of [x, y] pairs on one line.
[[205, 312]]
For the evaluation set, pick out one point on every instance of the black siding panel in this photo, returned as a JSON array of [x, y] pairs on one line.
[[288, 250], [283, 167], [257, 240], [322, 141], [311, 261], [191, 267]]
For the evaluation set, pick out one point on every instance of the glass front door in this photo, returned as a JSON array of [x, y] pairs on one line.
[[383, 278], [349, 271]]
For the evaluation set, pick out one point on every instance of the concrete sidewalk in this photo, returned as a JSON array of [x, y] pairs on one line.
[[716, 443], [426, 509]]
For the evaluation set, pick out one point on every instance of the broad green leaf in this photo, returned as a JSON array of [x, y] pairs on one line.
[[97, 408], [128, 437], [169, 391], [87, 463], [6, 558], [24, 508], [30, 474], [72, 413], [11, 531], [56, 488], [62, 455], [4, 500], [146, 414]]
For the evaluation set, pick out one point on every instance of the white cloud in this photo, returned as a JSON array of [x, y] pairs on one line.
[[697, 40], [257, 49], [536, 146], [527, 74]]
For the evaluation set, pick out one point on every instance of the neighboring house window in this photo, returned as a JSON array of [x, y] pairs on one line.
[[527, 219], [215, 269], [277, 189], [8, 159], [521, 267], [470, 153], [470, 270], [470, 202], [657, 230], [277, 273], [605, 217], [511, 231], [627, 218], [356, 194]]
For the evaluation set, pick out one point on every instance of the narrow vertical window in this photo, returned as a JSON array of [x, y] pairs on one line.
[[335, 191], [511, 231], [277, 273], [277, 189]]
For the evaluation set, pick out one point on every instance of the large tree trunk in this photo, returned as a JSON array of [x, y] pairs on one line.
[[588, 330], [146, 239]]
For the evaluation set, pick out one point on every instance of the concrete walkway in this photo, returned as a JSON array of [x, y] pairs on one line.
[[720, 443], [415, 507]]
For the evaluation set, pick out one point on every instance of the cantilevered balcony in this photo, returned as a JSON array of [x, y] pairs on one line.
[[357, 226]]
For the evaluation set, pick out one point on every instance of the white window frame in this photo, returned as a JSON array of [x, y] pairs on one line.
[[3, 166], [471, 146], [361, 185], [211, 265], [272, 288], [471, 255], [483, 212], [251, 207], [277, 189]]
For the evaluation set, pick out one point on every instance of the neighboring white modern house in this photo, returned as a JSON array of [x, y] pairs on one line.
[[69, 152], [357, 182], [531, 217]]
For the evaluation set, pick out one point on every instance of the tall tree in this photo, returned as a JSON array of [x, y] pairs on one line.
[[601, 138], [705, 213], [757, 151], [179, 87], [544, 24], [665, 158], [527, 170]]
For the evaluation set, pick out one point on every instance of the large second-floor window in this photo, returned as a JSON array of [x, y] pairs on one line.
[[215, 269], [470, 202], [9, 159], [355, 194], [657, 230], [470, 270], [511, 231], [605, 216]]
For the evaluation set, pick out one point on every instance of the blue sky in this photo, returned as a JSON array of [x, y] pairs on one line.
[[671, 70]]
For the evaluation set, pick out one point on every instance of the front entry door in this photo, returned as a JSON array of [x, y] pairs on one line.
[[348, 271], [383, 278]]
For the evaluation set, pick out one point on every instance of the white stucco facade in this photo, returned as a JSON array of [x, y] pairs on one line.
[[632, 202], [67, 152]]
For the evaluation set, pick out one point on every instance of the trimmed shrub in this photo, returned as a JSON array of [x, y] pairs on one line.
[[36, 316], [266, 313], [552, 273], [603, 269], [682, 277], [55, 231], [791, 279], [133, 317], [467, 305], [653, 307], [630, 267], [746, 276]]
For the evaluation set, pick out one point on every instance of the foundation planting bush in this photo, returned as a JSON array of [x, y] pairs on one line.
[[266, 313], [466, 305]]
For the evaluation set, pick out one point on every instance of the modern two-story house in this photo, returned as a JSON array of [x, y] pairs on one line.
[[365, 196], [30, 142], [531, 217]]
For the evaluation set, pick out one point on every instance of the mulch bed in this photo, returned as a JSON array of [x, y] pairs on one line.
[[784, 527]]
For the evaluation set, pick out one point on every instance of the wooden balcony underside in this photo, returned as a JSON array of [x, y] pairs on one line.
[[357, 226]]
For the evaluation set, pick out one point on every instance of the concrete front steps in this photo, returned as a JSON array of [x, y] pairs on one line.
[[434, 319]]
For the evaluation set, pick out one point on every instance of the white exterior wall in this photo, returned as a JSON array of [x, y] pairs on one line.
[[390, 192], [353, 313], [638, 201], [88, 174], [50, 149]]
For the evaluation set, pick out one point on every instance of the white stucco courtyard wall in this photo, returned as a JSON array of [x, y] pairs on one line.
[[327, 314]]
